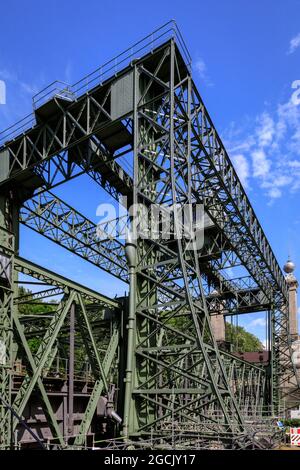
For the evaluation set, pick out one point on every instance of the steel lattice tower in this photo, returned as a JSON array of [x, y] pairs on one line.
[[161, 353]]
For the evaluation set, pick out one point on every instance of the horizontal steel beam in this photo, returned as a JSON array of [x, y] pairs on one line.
[[50, 278], [54, 219]]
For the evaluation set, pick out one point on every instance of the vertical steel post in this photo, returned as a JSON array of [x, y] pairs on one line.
[[65, 418], [71, 369], [8, 245], [272, 359], [130, 251]]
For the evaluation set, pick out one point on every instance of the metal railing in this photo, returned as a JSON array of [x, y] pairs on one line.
[[68, 92], [59, 370], [56, 89], [17, 129], [112, 67]]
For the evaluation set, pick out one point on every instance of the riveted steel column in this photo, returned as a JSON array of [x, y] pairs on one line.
[[8, 243], [71, 370]]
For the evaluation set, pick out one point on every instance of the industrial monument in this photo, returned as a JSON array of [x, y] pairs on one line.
[[153, 369]]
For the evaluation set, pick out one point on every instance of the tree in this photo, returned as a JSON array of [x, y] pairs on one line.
[[242, 340], [30, 306]]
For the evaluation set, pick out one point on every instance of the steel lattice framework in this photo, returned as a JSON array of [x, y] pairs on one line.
[[143, 107]]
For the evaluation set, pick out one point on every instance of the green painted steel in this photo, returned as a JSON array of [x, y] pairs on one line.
[[173, 377], [47, 405], [8, 245], [87, 335], [45, 275], [98, 388], [42, 354]]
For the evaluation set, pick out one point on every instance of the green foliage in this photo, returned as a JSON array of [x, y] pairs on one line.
[[242, 340], [292, 423], [34, 344], [33, 307], [180, 323]]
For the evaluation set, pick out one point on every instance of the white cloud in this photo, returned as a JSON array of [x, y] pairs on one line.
[[13, 78], [294, 164], [7, 75], [30, 89], [270, 143], [261, 165], [68, 72], [201, 69], [294, 44], [282, 180], [241, 165], [257, 322], [18, 97], [274, 193], [200, 66], [265, 131]]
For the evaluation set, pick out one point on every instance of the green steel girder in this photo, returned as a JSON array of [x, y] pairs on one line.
[[8, 244], [42, 355], [177, 373], [88, 117], [186, 345], [48, 350], [50, 278], [50, 216], [59, 222], [46, 354], [98, 387], [215, 182], [90, 114], [90, 343], [156, 145], [47, 405], [91, 159], [41, 295]]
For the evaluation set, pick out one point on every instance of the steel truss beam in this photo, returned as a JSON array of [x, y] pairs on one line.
[[50, 278], [178, 374], [215, 182], [50, 216], [7, 242], [162, 149], [72, 293], [59, 222], [79, 120]]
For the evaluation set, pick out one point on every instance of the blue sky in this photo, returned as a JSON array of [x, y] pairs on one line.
[[246, 56]]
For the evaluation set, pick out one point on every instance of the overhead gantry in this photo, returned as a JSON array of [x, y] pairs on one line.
[[144, 107]]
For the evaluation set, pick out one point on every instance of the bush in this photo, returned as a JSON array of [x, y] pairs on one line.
[[292, 423]]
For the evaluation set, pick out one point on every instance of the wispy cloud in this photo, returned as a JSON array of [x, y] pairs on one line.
[[18, 97], [270, 146], [260, 163], [242, 167], [13, 79], [201, 69], [68, 72], [257, 322], [265, 130], [294, 44]]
